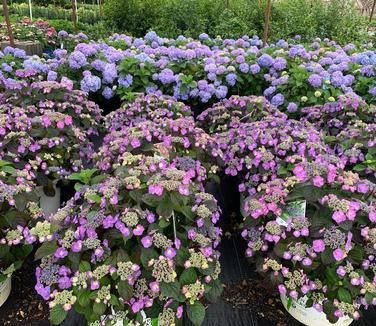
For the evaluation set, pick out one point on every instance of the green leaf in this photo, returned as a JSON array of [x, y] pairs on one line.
[[151, 200], [147, 255], [3, 278], [181, 256], [83, 310], [289, 303], [171, 290], [84, 176], [114, 300], [327, 257], [4, 163], [99, 308], [47, 248], [163, 223], [77, 186], [196, 313], [95, 198], [331, 275], [356, 254], [84, 298], [215, 292], [125, 290], [359, 167], [9, 169], [84, 266], [165, 209], [136, 195], [344, 295], [189, 276], [187, 211], [57, 315], [154, 322]]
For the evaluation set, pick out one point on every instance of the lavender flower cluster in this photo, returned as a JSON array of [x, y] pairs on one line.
[[162, 137], [146, 108]]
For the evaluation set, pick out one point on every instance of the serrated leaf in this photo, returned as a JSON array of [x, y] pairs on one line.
[[99, 308], [136, 195], [165, 209], [84, 266], [327, 257], [57, 315], [356, 254], [196, 313], [344, 295], [47, 248], [84, 298], [189, 276], [95, 198], [215, 292], [125, 290], [151, 200], [171, 290]]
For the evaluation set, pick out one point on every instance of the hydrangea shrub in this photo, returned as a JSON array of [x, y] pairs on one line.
[[134, 244], [313, 234]]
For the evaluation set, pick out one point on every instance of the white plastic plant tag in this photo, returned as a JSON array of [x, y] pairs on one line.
[[292, 210], [146, 321]]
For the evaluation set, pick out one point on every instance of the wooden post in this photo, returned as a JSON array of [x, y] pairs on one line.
[[267, 20], [100, 9], [74, 14], [30, 10], [7, 20], [372, 11]]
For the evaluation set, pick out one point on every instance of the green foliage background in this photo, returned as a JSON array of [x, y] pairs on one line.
[[338, 19]]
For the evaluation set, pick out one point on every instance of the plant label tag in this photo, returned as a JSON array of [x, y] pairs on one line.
[[292, 210], [146, 321]]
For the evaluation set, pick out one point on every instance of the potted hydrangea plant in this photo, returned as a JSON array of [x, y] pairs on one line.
[[168, 138], [46, 128], [263, 150], [230, 113], [143, 107], [138, 245], [349, 125], [313, 233], [18, 206]]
